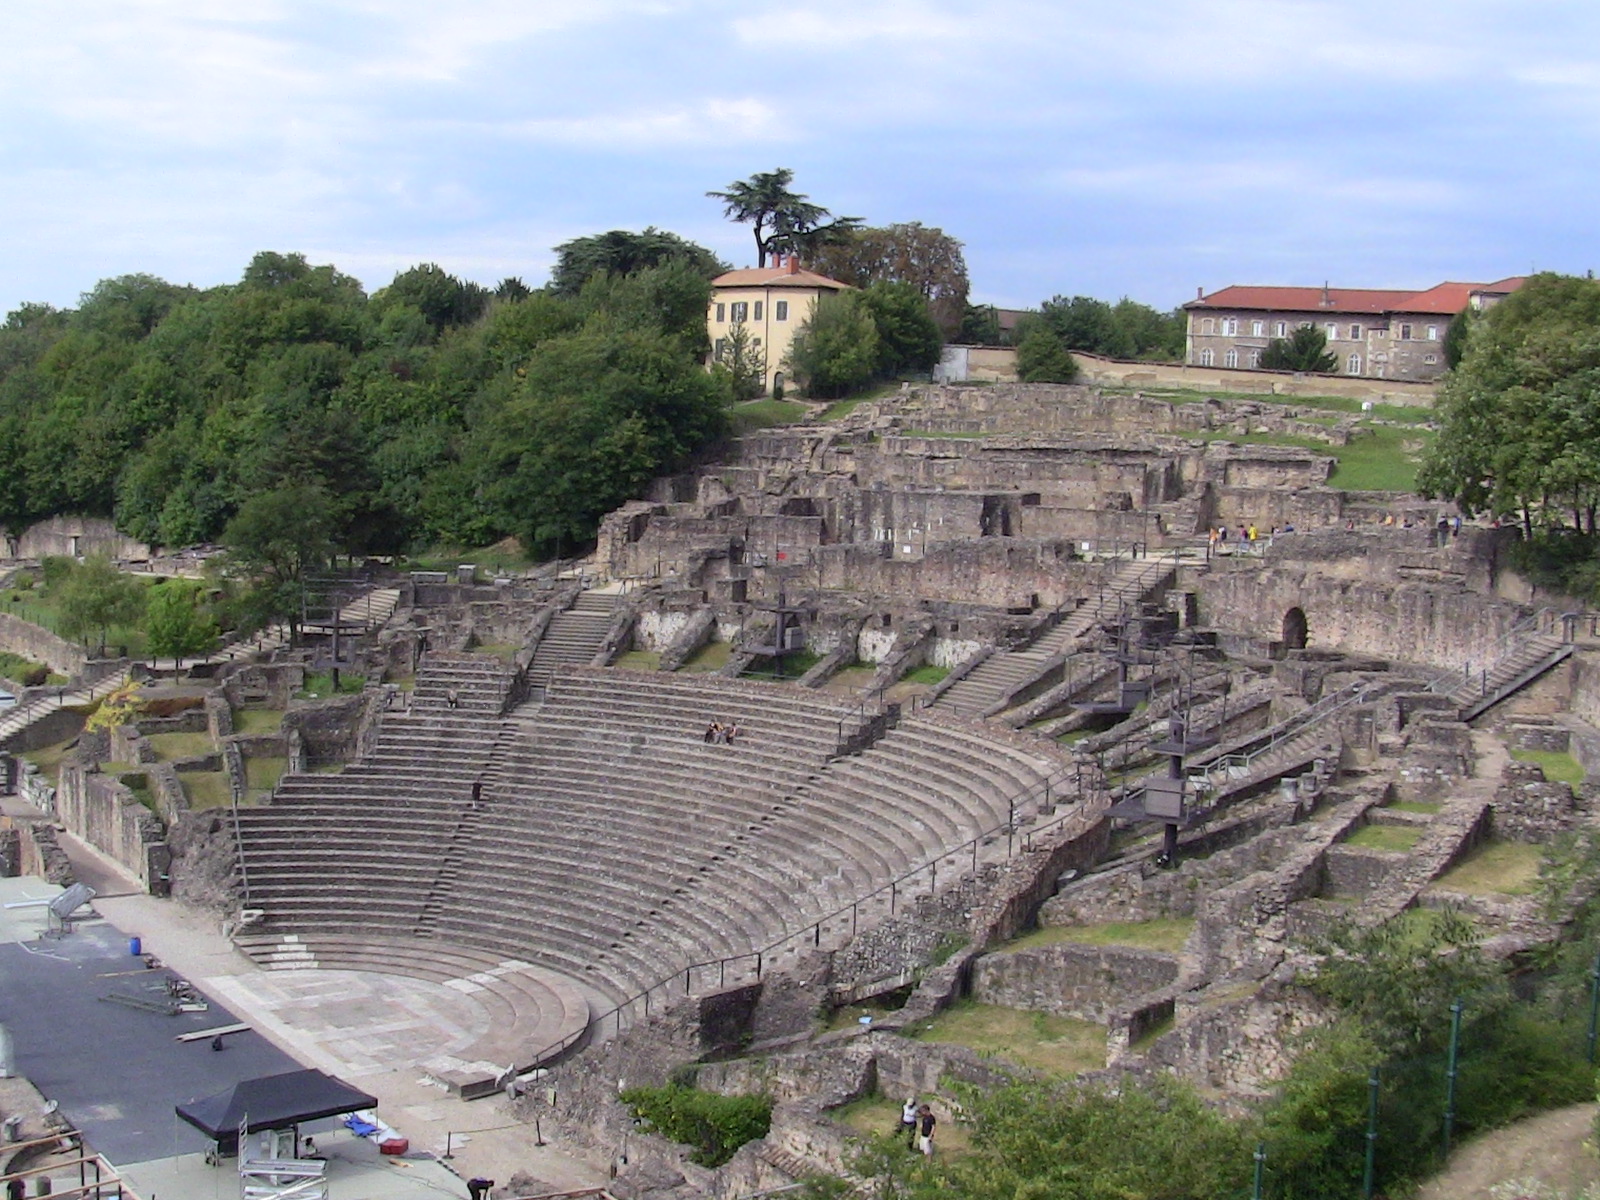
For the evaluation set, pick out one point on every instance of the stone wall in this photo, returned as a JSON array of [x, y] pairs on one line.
[[329, 730], [1088, 982], [104, 812], [38, 644], [70, 537], [1122, 373], [1529, 808]]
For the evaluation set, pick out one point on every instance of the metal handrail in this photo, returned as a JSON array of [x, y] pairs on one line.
[[813, 929], [1291, 727]]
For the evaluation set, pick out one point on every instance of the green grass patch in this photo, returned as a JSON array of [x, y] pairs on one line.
[[1558, 766], [1073, 736], [170, 747], [1380, 458], [1394, 838], [639, 660], [763, 414], [1150, 1036], [257, 721], [38, 605], [1424, 807], [1405, 414], [261, 775], [48, 758], [19, 670], [504, 556], [794, 666], [713, 656], [926, 673], [1062, 1046], [206, 789], [138, 783], [842, 408], [1496, 867], [1163, 933], [319, 684], [504, 651]]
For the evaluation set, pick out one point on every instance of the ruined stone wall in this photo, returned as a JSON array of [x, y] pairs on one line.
[[40, 645], [70, 537], [104, 812], [998, 572], [1088, 982]]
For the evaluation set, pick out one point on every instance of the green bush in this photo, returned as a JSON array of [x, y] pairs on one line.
[[715, 1126]]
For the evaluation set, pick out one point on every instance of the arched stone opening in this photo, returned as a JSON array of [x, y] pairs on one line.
[[1294, 629]]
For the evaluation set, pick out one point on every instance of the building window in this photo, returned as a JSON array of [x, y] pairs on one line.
[[1431, 359], [722, 349], [755, 343], [758, 311], [721, 313], [1258, 328], [741, 312], [1405, 333], [1333, 331], [780, 310], [1206, 357], [1433, 333], [1207, 326], [1281, 329], [1231, 358], [1230, 326], [1353, 367], [1355, 333], [1255, 358]]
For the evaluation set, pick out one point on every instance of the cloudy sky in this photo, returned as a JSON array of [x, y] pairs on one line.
[[1078, 146]]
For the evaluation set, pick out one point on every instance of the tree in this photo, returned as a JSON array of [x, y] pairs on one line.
[[622, 252], [980, 326], [908, 337], [745, 363], [175, 624], [1520, 417], [438, 295], [927, 259], [1042, 357], [94, 597], [280, 536], [1304, 350], [836, 349], [783, 222]]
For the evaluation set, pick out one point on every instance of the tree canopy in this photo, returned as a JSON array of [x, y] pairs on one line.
[[1519, 418], [1126, 329], [1306, 349], [927, 259], [782, 221], [184, 413]]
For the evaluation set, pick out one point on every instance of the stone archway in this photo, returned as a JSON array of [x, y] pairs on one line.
[[1294, 629]]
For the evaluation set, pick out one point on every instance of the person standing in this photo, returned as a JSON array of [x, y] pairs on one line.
[[908, 1122], [925, 1124]]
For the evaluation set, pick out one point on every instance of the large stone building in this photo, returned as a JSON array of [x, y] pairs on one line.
[[772, 303], [1374, 332]]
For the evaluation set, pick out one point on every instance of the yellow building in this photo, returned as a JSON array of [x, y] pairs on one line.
[[771, 303]]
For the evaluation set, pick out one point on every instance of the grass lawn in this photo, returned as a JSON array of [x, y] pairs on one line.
[[37, 605], [257, 720], [841, 408], [1164, 933], [1055, 1045], [926, 673], [17, 668], [875, 1115], [48, 758], [794, 666], [1558, 766], [1426, 807], [319, 684], [1405, 414], [261, 774], [639, 660], [1505, 868], [505, 555], [1382, 458], [505, 651], [762, 414], [206, 789], [713, 656], [170, 747], [1396, 838]]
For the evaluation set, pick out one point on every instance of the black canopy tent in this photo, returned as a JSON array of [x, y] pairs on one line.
[[272, 1102]]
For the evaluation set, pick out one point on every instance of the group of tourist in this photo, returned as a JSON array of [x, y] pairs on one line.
[[1249, 536], [916, 1126], [718, 734]]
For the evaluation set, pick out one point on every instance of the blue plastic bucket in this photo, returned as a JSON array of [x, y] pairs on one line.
[[135, 946]]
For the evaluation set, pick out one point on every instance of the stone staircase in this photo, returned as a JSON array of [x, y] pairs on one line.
[[1529, 658], [371, 610], [573, 637], [15, 720], [1002, 673]]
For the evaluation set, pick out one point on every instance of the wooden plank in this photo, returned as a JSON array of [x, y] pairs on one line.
[[219, 1031]]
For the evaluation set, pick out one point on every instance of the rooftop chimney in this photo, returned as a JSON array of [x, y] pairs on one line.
[[1327, 300], [794, 264], [1200, 293]]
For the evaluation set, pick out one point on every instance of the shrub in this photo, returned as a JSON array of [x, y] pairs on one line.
[[715, 1126]]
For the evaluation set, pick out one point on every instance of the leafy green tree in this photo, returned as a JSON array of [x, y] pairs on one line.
[[745, 363], [927, 259], [980, 326], [782, 221], [439, 296], [94, 597], [836, 349], [1306, 349], [280, 537], [908, 336], [175, 624], [1042, 357], [622, 252]]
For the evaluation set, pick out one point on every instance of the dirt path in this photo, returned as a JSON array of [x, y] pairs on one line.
[[1548, 1148]]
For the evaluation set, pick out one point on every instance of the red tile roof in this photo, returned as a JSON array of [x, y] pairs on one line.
[[775, 277], [1444, 299]]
